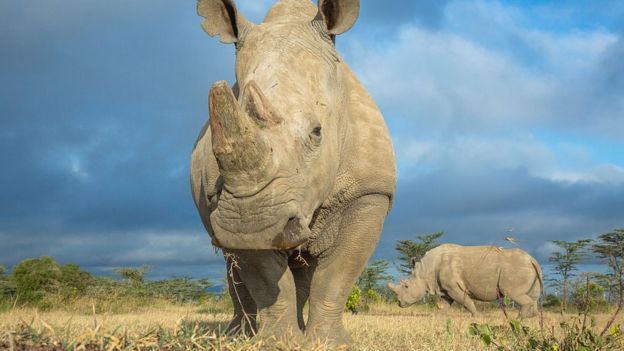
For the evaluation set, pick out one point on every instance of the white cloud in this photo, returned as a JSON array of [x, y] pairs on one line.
[[546, 249], [446, 81], [605, 173], [476, 93]]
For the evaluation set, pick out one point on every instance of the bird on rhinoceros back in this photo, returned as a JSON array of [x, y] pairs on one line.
[[294, 172], [463, 274]]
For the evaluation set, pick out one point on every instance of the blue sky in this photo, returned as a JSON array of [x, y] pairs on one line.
[[504, 114]]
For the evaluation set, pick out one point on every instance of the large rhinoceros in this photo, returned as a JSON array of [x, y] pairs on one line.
[[294, 172], [466, 273]]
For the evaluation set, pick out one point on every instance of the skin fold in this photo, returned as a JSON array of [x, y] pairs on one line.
[[464, 274], [294, 172]]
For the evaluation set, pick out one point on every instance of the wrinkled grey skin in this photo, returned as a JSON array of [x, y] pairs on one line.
[[294, 172], [465, 273]]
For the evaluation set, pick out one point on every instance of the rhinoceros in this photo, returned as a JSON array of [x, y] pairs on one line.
[[462, 274], [294, 172]]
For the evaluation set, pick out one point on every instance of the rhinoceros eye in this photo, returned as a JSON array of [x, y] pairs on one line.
[[316, 131], [315, 135]]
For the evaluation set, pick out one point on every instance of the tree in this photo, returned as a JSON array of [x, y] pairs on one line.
[[135, 276], [35, 278], [588, 295], [180, 290], [610, 248], [74, 280], [372, 280], [408, 249], [374, 275], [565, 264]]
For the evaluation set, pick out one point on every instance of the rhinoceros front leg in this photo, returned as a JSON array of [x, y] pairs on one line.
[[270, 283], [336, 274], [461, 296], [245, 309], [444, 302], [303, 278]]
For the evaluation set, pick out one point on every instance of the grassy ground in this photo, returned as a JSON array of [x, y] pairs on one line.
[[164, 326]]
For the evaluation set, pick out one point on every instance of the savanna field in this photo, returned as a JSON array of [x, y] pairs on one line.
[[46, 305], [161, 325]]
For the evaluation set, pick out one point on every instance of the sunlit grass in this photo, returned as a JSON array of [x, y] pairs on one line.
[[169, 327]]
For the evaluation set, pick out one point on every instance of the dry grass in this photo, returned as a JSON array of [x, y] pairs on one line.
[[384, 327]]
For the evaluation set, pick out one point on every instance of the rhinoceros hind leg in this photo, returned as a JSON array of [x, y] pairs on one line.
[[528, 305], [336, 274]]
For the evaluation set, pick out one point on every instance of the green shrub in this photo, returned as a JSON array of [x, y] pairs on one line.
[[35, 278], [551, 301], [354, 300], [38, 281], [590, 297], [46, 284], [574, 335], [180, 290]]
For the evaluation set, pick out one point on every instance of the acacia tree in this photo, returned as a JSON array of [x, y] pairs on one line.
[[408, 249], [374, 275], [610, 248], [565, 264], [135, 276]]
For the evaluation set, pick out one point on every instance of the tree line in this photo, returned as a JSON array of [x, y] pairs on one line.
[[43, 282]]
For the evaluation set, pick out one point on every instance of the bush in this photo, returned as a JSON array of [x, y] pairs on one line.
[[574, 335], [354, 300], [590, 297], [551, 301], [45, 284], [35, 278], [38, 280], [180, 290], [73, 280]]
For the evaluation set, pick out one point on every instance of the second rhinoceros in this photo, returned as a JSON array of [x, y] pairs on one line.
[[294, 173], [465, 273]]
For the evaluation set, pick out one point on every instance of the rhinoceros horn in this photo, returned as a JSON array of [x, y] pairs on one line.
[[258, 107], [236, 141]]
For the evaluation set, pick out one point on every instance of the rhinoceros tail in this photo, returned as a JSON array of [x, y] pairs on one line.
[[540, 276], [539, 301]]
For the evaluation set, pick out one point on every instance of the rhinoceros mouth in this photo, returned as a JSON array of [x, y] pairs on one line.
[[265, 221]]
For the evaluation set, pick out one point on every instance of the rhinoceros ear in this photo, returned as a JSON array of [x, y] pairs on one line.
[[222, 19], [339, 15], [414, 261]]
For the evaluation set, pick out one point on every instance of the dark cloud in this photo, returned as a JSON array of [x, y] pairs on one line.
[[479, 206], [100, 105], [101, 102]]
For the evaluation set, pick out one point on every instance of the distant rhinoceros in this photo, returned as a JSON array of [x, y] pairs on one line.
[[294, 172], [467, 273]]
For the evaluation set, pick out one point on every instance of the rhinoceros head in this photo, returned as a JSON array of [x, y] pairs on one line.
[[409, 291], [277, 134]]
